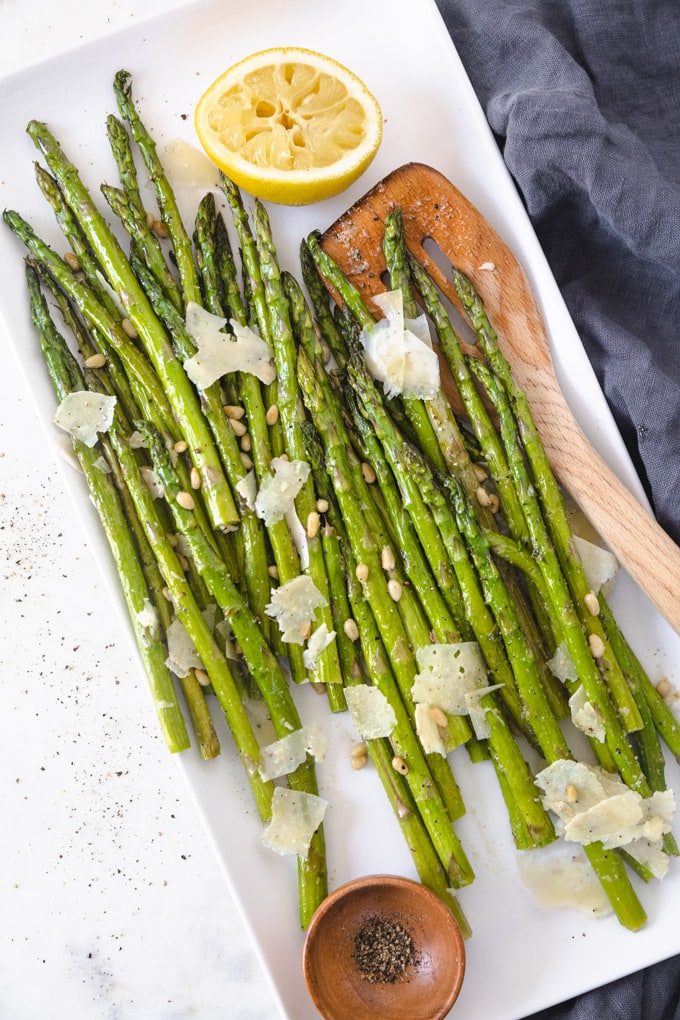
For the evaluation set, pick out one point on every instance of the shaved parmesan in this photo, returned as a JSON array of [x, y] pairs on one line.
[[427, 731], [84, 414], [182, 654], [321, 638], [295, 818], [447, 673], [477, 711], [298, 534], [151, 481], [559, 876], [147, 618], [219, 353], [283, 756], [600, 565], [371, 713], [278, 490], [585, 716], [246, 487], [399, 351], [562, 664], [592, 804], [293, 606]]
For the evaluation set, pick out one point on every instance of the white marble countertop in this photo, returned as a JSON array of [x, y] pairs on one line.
[[111, 901]]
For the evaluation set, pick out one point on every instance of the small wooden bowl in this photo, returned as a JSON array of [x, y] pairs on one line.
[[337, 973]]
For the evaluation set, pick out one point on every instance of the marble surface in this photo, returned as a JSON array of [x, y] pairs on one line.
[[112, 906]]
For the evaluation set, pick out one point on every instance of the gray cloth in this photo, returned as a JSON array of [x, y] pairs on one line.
[[584, 99]]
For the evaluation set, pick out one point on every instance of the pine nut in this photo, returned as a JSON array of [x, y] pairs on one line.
[[395, 589], [95, 361], [72, 261], [387, 558], [239, 427], [368, 472], [180, 446], [128, 327], [313, 523], [246, 443], [481, 472], [362, 573], [664, 687], [438, 717], [234, 411], [185, 500], [202, 677], [358, 750], [482, 496], [400, 766], [195, 478], [246, 461], [592, 603], [596, 645], [322, 505], [273, 571], [272, 415], [571, 793], [494, 503], [351, 630], [159, 228]]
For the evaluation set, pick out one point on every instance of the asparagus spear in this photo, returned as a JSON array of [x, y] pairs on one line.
[[179, 392], [65, 376]]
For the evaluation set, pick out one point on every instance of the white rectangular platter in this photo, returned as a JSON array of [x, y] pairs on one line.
[[521, 958]]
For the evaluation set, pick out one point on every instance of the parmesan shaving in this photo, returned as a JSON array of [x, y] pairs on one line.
[[447, 673], [600, 565], [219, 353], [477, 711], [320, 639], [246, 487], [182, 654], [295, 818], [84, 414], [592, 804], [278, 490], [151, 481], [562, 664], [585, 716], [283, 756], [293, 606], [427, 731], [399, 352], [298, 534], [371, 713], [147, 618]]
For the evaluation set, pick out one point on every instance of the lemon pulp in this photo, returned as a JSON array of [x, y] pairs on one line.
[[289, 125]]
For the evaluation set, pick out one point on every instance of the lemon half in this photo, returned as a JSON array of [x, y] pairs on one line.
[[289, 125]]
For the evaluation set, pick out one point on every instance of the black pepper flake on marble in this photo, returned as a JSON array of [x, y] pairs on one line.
[[383, 950]]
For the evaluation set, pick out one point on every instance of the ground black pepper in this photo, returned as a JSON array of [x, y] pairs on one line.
[[383, 950]]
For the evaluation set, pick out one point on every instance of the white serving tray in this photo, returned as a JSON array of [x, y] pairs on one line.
[[521, 958]]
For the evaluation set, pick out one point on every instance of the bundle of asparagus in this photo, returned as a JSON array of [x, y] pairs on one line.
[[411, 529]]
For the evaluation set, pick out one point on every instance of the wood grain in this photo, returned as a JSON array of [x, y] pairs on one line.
[[435, 214]]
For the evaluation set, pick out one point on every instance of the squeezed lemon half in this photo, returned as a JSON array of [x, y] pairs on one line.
[[289, 125]]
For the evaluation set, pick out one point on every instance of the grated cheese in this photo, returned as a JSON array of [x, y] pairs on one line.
[[219, 353], [293, 606], [84, 414], [295, 818]]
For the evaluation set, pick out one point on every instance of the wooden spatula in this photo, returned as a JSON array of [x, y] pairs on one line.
[[433, 209]]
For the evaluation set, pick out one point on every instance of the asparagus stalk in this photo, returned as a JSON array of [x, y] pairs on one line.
[[65, 377], [116, 267]]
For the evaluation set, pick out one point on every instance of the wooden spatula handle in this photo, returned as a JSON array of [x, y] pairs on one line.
[[645, 550]]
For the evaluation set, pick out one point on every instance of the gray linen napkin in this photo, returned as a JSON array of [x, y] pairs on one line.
[[584, 99]]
